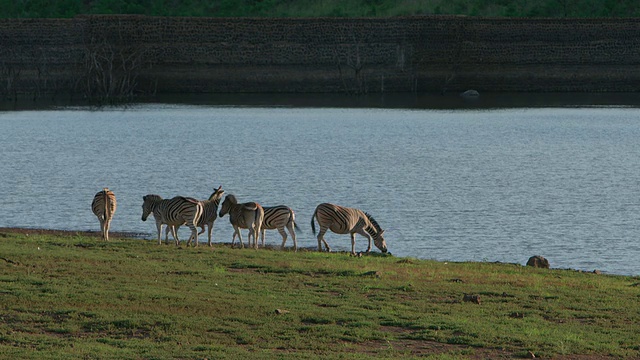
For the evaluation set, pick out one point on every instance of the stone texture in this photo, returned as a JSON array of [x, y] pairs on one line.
[[538, 261], [423, 53]]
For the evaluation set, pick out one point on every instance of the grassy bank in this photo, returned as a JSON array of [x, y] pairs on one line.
[[77, 297]]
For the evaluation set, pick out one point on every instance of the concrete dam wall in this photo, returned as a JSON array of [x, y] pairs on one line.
[[140, 54]]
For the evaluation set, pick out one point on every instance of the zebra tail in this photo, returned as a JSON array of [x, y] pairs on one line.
[[107, 205], [313, 227], [255, 221], [292, 219]]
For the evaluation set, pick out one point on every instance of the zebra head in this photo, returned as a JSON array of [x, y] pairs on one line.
[[378, 240], [149, 203], [378, 237], [228, 202], [217, 194]]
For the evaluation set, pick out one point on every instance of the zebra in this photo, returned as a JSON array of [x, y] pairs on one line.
[[343, 220], [173, 212], [247, 215], [104, 206], [209, 214], [279, 217]]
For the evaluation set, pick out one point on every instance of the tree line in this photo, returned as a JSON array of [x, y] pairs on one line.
[[321, 8]]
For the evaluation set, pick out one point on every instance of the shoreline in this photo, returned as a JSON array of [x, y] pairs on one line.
[[140, 236], [55, 232]]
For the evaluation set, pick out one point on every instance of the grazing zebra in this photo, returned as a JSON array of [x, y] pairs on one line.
[[279, 217], [209, 214], [104, 206], [247, 215], [173, 212], [343, 220]]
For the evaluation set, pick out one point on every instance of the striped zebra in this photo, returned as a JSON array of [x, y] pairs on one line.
[[343, 220], [173, 212], [247, 215], [104, 206], [279, 217], [209, 214]]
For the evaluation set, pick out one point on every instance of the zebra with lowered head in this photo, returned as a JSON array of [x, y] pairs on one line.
[[247, 215], [343, 220], [173, 212], [209, 214], [104, 206], [280, 217]]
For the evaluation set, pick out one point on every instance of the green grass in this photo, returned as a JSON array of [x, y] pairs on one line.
[[78, 297]]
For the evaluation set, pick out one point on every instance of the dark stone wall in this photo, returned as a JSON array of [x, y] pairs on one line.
[[425, 54]]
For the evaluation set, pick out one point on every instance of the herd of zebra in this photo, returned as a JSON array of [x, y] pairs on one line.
[[193, 213]]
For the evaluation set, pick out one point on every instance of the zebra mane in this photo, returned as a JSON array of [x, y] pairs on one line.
[[232, 199], [373, 222], [152, 196]]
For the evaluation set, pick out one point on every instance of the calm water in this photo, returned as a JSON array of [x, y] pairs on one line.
[[457, 185]]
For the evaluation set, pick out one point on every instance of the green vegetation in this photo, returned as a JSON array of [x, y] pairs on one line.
[[78, 297], [314, 8]]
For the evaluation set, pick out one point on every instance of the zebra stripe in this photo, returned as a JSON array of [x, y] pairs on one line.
[[173, 212], [209, 214], [104, 206], [247, 215], [344, 220], [279, 217]]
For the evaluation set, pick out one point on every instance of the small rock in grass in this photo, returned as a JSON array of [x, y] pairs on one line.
[[471, 298], [538, 261]]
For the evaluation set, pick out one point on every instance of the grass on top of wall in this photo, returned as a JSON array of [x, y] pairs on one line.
[[320, 8], [78, 297]]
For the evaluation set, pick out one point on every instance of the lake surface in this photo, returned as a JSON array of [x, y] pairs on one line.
[[452, 185]]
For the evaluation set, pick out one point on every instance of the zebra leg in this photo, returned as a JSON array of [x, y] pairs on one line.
[[263, 232], [353, 244], [159, 226], [166, 233], [321, 240], [284, 237], [174, 232], [210, 228], [365, 234], [256, 233], [194, 236], [251, 233], [106, 229], [237, 232], [102, 222], [293, 236]]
